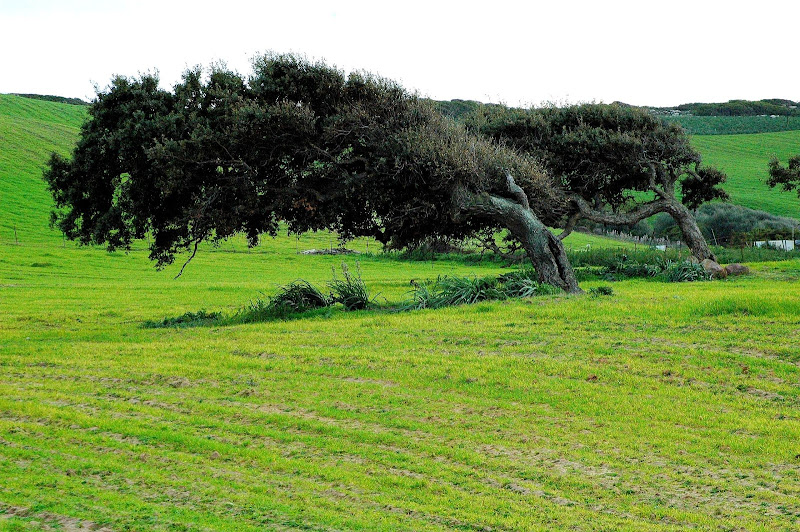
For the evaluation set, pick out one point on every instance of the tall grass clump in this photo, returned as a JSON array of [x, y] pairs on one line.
[[671, 271], [523, 283], [294, 298], [450, 291], [350, 290], [299, 296], [684, 272]]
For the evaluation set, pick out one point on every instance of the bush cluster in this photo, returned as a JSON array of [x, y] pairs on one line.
[[727, 224], [450, 291], [668, 270]]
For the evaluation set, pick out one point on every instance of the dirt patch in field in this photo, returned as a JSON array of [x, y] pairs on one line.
[[378, 382], [51, 521]]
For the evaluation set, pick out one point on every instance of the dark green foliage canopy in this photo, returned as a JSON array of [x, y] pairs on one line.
[[743, 108], [615, 164], [295, 142], [787, 177], [606, 154]]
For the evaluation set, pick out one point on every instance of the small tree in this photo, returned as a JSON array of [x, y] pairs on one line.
[[787, 177], [296, 142], [616, 164]]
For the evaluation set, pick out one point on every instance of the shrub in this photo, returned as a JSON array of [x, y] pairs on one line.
[[601, 291], [722, 223]]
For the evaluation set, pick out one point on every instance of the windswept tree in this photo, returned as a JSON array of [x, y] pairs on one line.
[[300, 143], [616, 164]]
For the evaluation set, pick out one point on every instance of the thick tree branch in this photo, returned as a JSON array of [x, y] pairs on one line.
[[655, 174], [516, 191], [628, 218], [571, 222]]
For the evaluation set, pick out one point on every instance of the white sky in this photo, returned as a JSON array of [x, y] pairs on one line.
[[640, 52]]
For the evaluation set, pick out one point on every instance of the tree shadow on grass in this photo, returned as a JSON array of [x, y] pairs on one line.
[[203, 318]]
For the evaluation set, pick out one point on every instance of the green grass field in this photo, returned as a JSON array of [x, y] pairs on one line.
[[662, 407], [744, 158]]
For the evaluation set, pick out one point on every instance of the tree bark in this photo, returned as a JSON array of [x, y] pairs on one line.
[[692, 235], [545, 250]]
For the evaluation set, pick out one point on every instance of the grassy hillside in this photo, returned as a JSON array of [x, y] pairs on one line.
[[663, 407], [29, 131], [744, 158]]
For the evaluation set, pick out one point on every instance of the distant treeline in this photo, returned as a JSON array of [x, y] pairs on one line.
[[735, 108], [734, 125], [732, 118], [51, 98]]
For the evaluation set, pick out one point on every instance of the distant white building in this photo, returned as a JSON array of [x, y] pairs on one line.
[[786, 245]]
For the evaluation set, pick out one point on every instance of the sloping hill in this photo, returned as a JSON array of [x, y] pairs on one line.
[[744, 158], [29, 131]]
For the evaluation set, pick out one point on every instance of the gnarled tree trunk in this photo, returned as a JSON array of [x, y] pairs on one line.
[[543, 248], [692, 235]]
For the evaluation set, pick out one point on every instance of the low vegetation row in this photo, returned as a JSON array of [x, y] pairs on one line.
[[774, 106], [732, 118], [595, 256], [349, 292], [57, 99]]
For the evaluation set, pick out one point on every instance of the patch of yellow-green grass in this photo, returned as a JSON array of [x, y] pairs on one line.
[[662, 407]]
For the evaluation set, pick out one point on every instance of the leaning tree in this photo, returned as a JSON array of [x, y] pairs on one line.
[[299, 143], [616, 164]]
